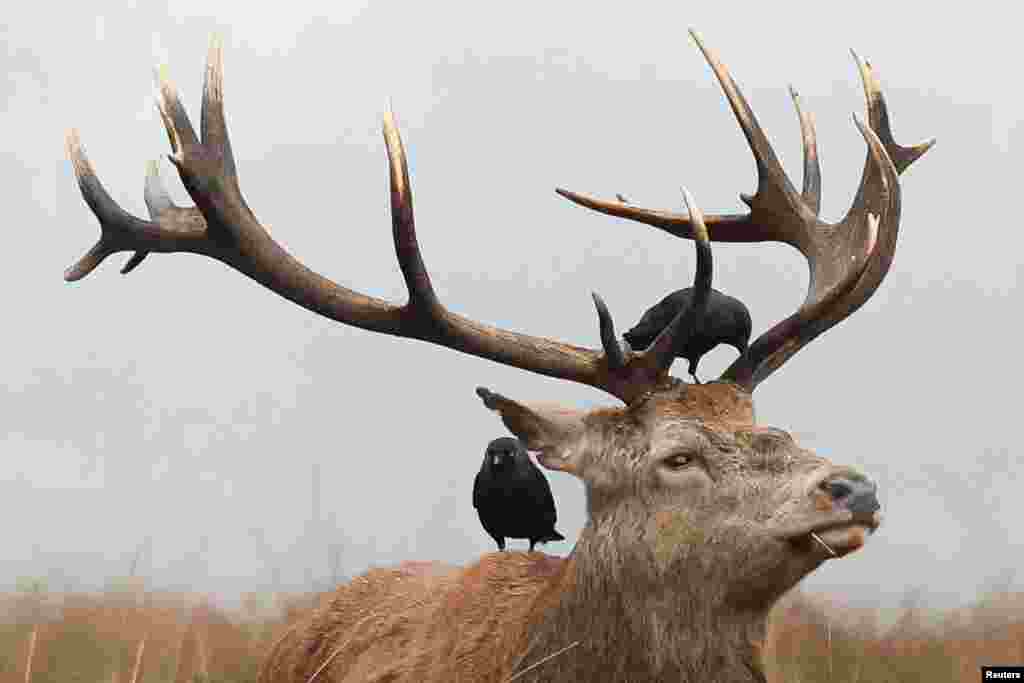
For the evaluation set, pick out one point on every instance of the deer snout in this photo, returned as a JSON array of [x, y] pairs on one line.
[[853, 492]]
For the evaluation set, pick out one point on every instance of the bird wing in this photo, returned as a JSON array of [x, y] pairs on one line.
[[477, 491], [658, 316]]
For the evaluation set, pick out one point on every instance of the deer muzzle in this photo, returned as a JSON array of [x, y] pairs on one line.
[[853, 492]]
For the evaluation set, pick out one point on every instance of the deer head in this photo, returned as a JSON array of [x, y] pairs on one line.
[[677, 492], [699, 518]]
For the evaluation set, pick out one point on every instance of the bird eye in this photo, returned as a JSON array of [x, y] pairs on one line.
[[678, 461]]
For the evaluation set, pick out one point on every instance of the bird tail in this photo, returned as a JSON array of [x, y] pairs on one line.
[[553, 536]]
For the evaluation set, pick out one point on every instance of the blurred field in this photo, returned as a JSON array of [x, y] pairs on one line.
[[129, 635]]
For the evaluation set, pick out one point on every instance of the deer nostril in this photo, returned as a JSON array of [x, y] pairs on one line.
[[854, 494], [838, 488]]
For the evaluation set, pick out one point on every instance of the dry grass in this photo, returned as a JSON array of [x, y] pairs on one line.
[[119, 637], [99, 638], [814, 640]]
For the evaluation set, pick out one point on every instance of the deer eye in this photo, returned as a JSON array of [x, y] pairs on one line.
[[679, 461]]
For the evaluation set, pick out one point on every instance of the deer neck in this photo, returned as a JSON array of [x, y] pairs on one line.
[[631, 621]]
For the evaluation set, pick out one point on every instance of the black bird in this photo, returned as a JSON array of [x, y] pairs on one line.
[[512, 496], [726, 321]]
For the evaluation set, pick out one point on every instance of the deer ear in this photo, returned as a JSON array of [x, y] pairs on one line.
[[553, 431]]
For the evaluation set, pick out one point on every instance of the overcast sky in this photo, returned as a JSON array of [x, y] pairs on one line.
[[183, 402]]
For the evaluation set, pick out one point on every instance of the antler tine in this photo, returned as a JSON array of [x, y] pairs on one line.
[[99, 201], [410, 260], [812, 168], [176, 122], [687, 322], [878, 118], [158, 200], [612, 349], [721, 227], [88, 262], [134, 262], [213, 127]]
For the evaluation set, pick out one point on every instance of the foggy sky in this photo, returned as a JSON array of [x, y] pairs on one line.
[[183, 402]]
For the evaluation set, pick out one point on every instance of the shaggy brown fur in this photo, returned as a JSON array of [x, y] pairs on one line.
[[421, 621], [685, 552]]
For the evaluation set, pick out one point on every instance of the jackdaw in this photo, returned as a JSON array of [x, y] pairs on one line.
[[726, 321], [512, 496]]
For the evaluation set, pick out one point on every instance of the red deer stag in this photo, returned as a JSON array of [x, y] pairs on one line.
[[699, 519]]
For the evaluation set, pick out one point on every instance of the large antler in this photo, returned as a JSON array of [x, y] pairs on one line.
[[223, 227], [846, 267]]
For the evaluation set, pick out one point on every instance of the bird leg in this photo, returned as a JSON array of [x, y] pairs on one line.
[[693, 372]]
